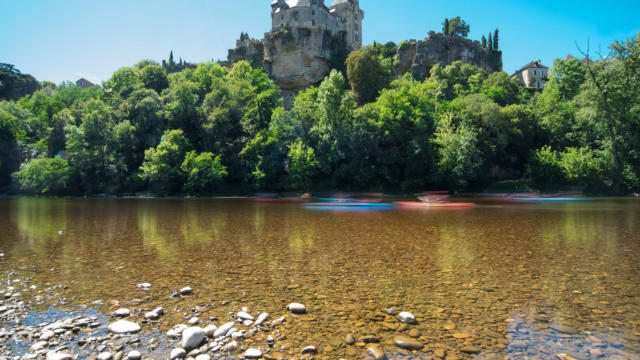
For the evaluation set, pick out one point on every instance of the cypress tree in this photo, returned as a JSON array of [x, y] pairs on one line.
[[495, 40], [490, 46], [484, 41], [171, 58], [445, 28]]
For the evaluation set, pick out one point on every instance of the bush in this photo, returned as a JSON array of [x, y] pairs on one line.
[[545, 170], [581, 166], [204, 172], [43, 176]]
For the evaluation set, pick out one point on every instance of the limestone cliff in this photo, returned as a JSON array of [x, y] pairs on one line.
[[418, 57], [296, 58]]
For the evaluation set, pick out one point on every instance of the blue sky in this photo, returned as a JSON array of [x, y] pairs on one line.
[[60, 40]]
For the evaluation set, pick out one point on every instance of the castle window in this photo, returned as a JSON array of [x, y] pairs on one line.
[[313, 13], [535, 72], [313, 22]]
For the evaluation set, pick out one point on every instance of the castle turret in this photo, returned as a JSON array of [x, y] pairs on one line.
[[349, 18]]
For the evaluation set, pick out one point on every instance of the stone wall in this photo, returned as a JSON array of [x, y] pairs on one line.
[[251, 50], [418, 57]]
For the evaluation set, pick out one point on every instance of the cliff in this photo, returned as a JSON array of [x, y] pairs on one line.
[[418, 57], [296, 58]]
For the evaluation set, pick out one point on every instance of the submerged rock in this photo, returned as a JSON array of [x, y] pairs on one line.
[[408, 343], [134, 355], [252, 353], [297, 308], [407, 318], [53, 355], [178, 354], [186, 290], [123, 327], [192, 337]]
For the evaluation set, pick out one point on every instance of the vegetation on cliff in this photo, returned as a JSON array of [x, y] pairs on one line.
[[209, 129]]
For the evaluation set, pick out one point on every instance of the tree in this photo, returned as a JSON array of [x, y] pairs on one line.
[[484, 41], [495, 40], [567, 76], [9, 158], [154, 77], [204, 172], [44, 176], [459, 27], [459, 157], [366, 74], [162, 166], [445, 27], [303, 166], [490, 43], [613, 87]]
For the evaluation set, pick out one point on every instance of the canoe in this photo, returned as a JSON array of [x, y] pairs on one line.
[[419, 204]]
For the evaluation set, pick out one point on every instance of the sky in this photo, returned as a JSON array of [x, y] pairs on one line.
[[59, 40]]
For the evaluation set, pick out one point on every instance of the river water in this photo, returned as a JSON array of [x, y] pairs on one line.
[[500, 280]]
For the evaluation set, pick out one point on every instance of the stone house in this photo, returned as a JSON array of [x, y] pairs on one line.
[[533, 75], [84, 83]]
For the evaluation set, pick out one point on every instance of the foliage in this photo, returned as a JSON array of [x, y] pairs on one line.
[[162, 165], [496, 43], [13, 84], [303, 165], [366, 74], [457, 26], [204, 172], [44, 176]]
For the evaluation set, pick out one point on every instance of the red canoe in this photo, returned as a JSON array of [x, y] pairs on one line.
[[424, 204]]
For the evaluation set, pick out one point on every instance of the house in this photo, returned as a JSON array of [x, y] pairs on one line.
[[84, 83], [533, 75]]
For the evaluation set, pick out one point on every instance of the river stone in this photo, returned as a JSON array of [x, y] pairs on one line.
[[209, 330], [178, 354], [439, 353], [309, 350], [565, 329], [297, 308], [47, 335], [408, 343], [407, 318], [349, 339], [222, 330], [203, 357], [242, 315], [105, 356], [261, 318], [151, 315], [38, 346], [134, 355], [376, 352], [53, 355], [123, 327], [252, 353], [192, 337], [470, 349], [144, 286], [187, 290], [122, 312]]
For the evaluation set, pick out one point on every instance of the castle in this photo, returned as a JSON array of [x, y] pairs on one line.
[[343, 16], [308, 39]]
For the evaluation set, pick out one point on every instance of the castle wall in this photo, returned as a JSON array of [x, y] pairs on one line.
[[443, 49]]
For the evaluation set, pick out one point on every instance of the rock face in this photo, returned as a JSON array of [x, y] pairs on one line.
[[418, 57], [296, 58]]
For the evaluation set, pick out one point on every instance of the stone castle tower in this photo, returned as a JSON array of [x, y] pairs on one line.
[[343, 16]]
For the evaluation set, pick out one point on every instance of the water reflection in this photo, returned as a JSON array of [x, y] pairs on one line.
[[497, 274]]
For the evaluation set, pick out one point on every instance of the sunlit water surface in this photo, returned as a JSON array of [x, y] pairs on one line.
[[511, 280]]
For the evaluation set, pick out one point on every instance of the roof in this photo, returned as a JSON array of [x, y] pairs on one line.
[[532, 65], [338, 2]]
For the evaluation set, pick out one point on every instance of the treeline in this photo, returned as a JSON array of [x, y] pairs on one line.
[[211, 130]]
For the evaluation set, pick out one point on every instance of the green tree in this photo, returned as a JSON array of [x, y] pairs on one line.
[[490, 42], [162, 166], [154, 77], [459, 27], [124, 81], [43, 176], [459, 157], [204, 172], [484, 41], [496, 45], [445, 26], [9, 158], [566, 76], [303, 166], [366, 74]]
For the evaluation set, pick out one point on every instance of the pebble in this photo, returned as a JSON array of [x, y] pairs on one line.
[[151, 315], [123, 327], [407, 318], [376, 352], [309, 350], [203, 357], [209, 330], [53, 355], [261, 318], [252, 353], [439, 353], [134, 355], [297, 308], [122, 312], [244, 316], [47, 335], [105, 356], [349, 339], [470, 349], [192, 337], [408, 343], [178, 354], [194, 321], [38, 346], [144, 286], [222, 330], [187, 290]]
